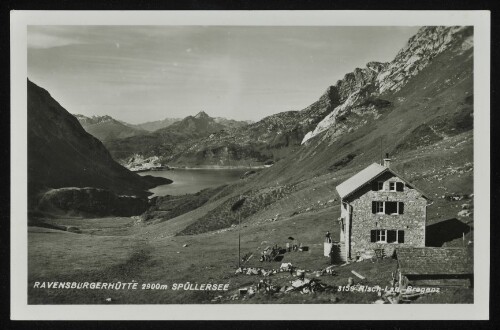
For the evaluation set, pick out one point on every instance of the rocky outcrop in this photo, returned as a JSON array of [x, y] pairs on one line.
[[420, 50], [355, 89], [364, 91], [90, 202], [138, 163], [359, 79]]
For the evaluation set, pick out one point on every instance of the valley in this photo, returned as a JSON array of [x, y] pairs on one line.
[[418, 109]]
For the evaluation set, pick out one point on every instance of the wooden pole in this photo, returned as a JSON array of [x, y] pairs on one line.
[[236, 208]]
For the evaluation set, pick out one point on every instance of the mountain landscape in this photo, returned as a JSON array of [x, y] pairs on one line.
[[363, 100], [169, 142], [61, 154], [418, 108]]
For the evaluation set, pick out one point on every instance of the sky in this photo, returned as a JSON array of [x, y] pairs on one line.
[[145, 73]]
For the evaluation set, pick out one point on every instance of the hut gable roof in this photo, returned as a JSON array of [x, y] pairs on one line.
[[364, 177], [360, 179], [435, 261]]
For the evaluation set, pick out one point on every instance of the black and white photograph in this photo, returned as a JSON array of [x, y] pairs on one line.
[[199, 164]]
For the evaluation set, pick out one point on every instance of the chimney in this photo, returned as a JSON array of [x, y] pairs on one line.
[[387, 161]]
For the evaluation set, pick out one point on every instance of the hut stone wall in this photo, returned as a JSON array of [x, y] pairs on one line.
[[364, 221]]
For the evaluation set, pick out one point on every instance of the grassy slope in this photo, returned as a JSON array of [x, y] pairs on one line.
[[154, 254]]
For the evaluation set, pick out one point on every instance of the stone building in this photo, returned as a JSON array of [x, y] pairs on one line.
[[380, 211]]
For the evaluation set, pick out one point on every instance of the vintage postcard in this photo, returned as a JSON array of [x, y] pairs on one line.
[[250, 165]]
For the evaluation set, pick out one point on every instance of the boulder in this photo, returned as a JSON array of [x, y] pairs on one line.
[[464, 213]]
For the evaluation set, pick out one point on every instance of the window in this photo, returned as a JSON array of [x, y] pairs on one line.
[[378, 235], [379, 207], [387, 236], [396, 186], [381, 235]]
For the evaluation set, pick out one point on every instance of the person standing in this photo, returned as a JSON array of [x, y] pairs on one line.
[[328, 238]]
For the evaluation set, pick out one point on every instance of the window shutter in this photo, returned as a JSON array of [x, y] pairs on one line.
[[375, 186], [401, 236], [391, 236], [373, 234], [401, 208], [400, 186], [374, 207]]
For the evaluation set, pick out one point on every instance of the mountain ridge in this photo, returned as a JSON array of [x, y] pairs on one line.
[[363, 93], [62, 154], [168, 140], [420, 50], [107, 128]]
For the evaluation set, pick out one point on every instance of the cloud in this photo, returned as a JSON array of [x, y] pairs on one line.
[[43, 40]]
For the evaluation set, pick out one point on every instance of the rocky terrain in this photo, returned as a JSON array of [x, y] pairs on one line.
[[62, 154], [137, 163], [370, 88]]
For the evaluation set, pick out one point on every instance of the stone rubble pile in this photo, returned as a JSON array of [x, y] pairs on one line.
[[285, 267]]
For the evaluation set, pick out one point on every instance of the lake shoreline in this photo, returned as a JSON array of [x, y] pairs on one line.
[[194, 179], [202, 167], [219, 167]]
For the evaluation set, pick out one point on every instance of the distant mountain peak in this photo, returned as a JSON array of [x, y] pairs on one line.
[[106, 127], [202, 114]]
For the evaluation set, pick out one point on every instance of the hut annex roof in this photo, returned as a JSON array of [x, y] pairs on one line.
[[435, 261], [365, 176]]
